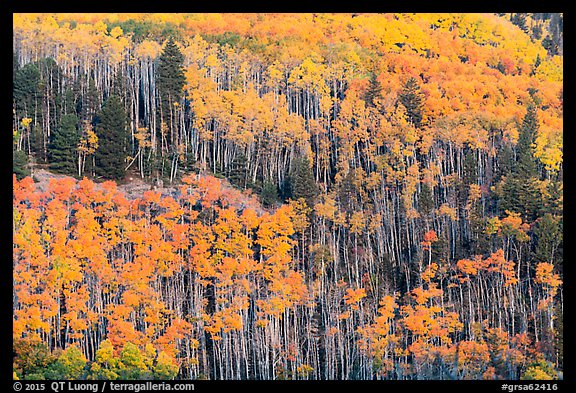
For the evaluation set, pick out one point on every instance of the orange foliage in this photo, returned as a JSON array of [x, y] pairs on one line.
[[497, 263], [354, 296], [429, 238]]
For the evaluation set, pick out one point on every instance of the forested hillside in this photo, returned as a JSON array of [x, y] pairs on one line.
[[332, 196]]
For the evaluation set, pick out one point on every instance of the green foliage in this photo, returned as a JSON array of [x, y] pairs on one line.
[[553, 42], [553, 198], [35, 377], [34, 361], [374, 90], [90, 103], [67, 102], [112, 139], [26, 88], [238, 171], [145, 29], [105, 364], [505, 162], [520, 191], [470, 175], [227, 38], [347, 191], [301, 181], [269, 194], [170, 74], [425, 200], [548, 234], [479, 242], [70, 364], [413, 100], [32, 358], [527, 163], [165, 368], [539, 371], [131, 365], [62, 151], [19, 162]]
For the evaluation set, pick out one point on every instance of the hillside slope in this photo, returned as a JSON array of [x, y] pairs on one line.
[[392, 209]]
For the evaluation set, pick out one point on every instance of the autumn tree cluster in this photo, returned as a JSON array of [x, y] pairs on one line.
[[396, 209]]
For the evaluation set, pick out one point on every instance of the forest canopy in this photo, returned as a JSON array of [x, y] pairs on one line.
[[327, 196]]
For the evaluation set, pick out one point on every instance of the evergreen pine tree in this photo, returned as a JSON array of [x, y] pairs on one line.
[[170, 74], [554, 201], [269, 194], [62, 149], [413, 100], [505, 161], [301, 181], [239, 171], [527, 165], [26, 88], [470, 173], [519, 20], [548, 236], [15, 65], [19, 162], [346, 191], [67, 102], [537, 31], [425, 200], [373, 90], [170, 80], [520, 190], [112, 139], [527, 171], [90, 101]]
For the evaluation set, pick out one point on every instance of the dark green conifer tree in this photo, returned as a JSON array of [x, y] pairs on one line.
[[520, 190], [238, 171], [373, 90], [170, 74], [413, 100], [112, 133], [425, 200], [548, 236], [89, 102], [269, 194], [19, 162], [62, 152], [25, 90], [301, 181], [170, 80]]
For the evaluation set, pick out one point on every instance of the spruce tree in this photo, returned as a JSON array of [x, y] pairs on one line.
[[425, 200], [527, 165], [112, 133], [238, 172], [301, 181], [19, 162], [90, 101], [373, 91], [520, 190], [519, 20], [26, 88], [527, 172], [269, 194], [548, 237], [346, 191], [413, 100], [170, 74], [62, 149]]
